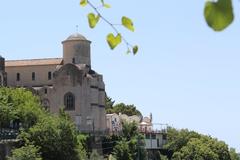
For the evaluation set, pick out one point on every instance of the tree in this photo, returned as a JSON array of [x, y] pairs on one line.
[[28, 152], [124, 109], [19, 105], [233, 154], [122, 151], [56, 138], [184, 144]]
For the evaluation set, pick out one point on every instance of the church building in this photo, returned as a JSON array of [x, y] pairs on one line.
[[68, 82]]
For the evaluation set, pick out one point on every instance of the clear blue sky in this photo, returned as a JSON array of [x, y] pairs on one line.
[[185, 74]]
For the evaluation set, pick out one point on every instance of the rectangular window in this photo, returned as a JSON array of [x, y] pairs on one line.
[[33, 76], [73, 60], [49, 75], [18, 76]]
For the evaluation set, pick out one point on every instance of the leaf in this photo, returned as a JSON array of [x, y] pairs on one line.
[[114, 41], [83, 3], [106, 5], [135, 49], [128, 51], [127, 22], [93, 20], [219, 15]]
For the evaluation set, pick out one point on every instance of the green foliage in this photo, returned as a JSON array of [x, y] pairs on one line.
[[135, 49], [184, 144], [121, 108], [19, 104], [113, 41], [28, 152], [83, 3], [219, 14], [56, 138], [93, 19], [233, 154], [127, 22], [129, 130], [122, 151], [95, 156]]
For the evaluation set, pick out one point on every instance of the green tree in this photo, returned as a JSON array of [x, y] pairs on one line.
[[184, 144], [233, 154], [19, 105], [56, 138], [122, 108], [121, 151], [28, 152]]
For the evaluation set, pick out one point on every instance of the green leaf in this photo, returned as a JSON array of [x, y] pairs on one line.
[[93, 19], [83, 3], [219, 15], [135, 49], [106, 5], [128, 51], [127, 22], [114, 41]]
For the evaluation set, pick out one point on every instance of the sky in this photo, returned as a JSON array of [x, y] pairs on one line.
[[185, 74]]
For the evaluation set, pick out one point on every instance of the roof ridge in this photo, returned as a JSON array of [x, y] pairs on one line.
[[33, 59]]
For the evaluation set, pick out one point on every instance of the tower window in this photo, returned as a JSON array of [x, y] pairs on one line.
[[45, 90], [49, 75], [69, 101], [33, 76], [73, 60], [18, 76]]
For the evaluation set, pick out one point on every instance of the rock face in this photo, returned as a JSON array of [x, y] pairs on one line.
[[68, 83]]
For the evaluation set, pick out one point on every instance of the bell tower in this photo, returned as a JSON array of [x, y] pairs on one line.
[[3, 74], [76, 49]]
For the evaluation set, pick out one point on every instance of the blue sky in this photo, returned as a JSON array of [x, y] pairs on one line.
[[185, 74]]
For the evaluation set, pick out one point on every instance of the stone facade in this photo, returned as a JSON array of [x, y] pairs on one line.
[[67, 82]]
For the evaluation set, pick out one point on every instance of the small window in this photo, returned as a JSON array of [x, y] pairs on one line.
[[49, 75], [69, 101], [45, 90], [18, 76], [33, 76], [164, 137], [147, 136], [73, 60], [153, 136]]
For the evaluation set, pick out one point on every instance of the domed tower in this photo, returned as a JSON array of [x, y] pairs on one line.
[[76, 49], [3, 74]]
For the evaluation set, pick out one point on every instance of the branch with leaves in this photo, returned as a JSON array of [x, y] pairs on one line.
[[113, 40]]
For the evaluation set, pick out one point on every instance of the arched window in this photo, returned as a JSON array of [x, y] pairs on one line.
[[69, 101]]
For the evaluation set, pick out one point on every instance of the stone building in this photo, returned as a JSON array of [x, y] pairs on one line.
[[68, 82]]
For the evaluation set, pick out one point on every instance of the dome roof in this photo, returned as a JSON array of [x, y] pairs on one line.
[[76, 36]]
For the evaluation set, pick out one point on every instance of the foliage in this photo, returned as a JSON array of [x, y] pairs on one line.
[[28, 152], [219, 14], [56, 138], [113, 40], [122, 151], [233, 154], [129, 110], [19, 105], [131, 144], [184, 144], [129, 130], [95, 156]]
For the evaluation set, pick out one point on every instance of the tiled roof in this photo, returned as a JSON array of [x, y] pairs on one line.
[[33, 62]]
